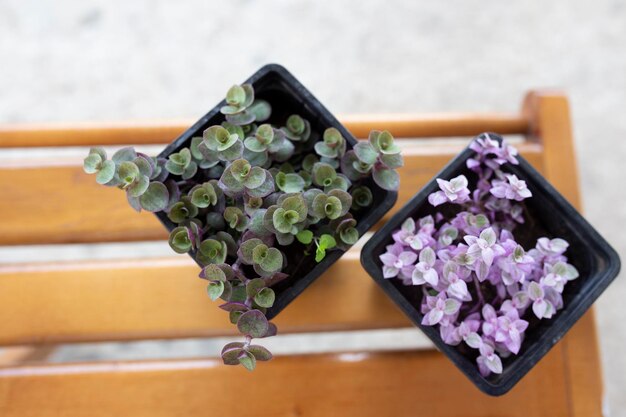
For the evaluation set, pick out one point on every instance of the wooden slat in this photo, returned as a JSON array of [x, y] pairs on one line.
[[349, 385], [164, 298], [153, 132], [551, 123], [61, 204]]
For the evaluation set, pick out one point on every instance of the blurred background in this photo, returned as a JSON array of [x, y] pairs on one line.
[[78, 60]]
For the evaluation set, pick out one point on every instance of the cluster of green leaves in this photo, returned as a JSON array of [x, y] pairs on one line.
[[244, 191], [379, 157], [140, 175]]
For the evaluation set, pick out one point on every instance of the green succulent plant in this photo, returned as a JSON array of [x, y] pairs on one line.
[[250, 186], [362, 197], [183, 211], [332, 146], [181, 163], [332, 205], [96, 163], [266, 260], [325, 175], [380, 156], [297, 129], [204, 195]]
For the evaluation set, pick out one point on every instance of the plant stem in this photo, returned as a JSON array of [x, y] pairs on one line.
[[246, 343], [479, 293]]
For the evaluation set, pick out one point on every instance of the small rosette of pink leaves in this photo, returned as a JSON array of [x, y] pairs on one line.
[[480, 286]]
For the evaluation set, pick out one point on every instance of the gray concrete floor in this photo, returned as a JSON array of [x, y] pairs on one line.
[[74, 60]]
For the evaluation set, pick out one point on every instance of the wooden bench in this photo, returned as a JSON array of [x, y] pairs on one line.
[[44, 305]]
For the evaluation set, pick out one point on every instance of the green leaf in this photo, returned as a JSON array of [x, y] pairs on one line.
[[231, 352], [234, 129], [344, 198], [323, 174], [126, 154], [91, 164], [232, 183], [259, 352], [332, 137], [349, 236], [179, 240], [296, 203], [254, 286], [265, 297], [190, 171], [272, 261], [259, 253], [98, 150], [249, 90], [264, 134], [194, 148], [212, 251], [261, 110], [127, 171], [327, 241], [254, 145], [392, 161], [214, 273], [139, 186], [362, 197], [204, 196], [255, 178], [242, 118], [289, 183], [332, 208], [309, 162], [145, 167], [183, 157], [386, 144], [240, 169], [174, 168], [235, 218], [264, 189], [246, 249], [247, 360], [106, 173], [253, 323], [281, 222], [320, 254], [295, 124], [235, 96], [365, 153], [234, 316], [305, 236], [215, 289], [386, 178], [183, 210], [322, 149]]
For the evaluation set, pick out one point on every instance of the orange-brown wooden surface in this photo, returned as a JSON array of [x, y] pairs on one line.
[[164, 298], [399, 384], [62, 204], [150, 132], [566, 382], [551, 124]]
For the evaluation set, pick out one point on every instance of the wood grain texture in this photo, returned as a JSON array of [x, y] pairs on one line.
[[164, 298], [394, 384], [551, 124], [152, 132], [62, 204]]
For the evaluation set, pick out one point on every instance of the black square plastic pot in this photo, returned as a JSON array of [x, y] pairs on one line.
[[550, 215], [287, 96]]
